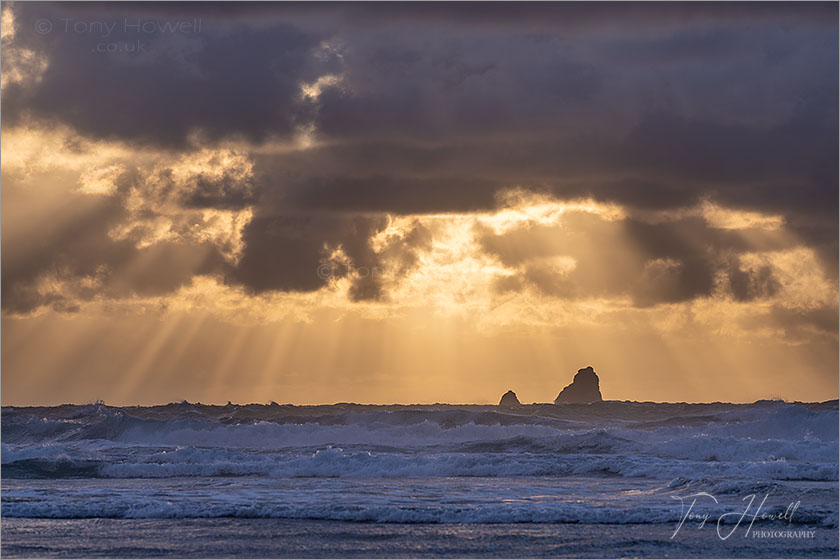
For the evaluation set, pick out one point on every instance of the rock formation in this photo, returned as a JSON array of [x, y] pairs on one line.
[[509, 399], [584, 388]]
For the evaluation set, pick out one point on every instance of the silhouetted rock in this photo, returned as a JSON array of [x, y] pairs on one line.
[[584, 388], [509, 399]]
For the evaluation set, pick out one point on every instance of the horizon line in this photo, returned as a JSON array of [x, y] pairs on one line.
[[349, 403]]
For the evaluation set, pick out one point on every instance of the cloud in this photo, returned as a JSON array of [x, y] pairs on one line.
[[222, 80], [284, 253], [76, 260], [279, 139], [651, 263]]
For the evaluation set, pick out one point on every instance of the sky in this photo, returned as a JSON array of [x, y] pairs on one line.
[[418, 203]]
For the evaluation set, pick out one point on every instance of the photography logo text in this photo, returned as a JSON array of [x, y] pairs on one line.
[[130, 31], [695, 510]]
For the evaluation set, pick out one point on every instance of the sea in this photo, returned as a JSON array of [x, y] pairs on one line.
[[604, 480]]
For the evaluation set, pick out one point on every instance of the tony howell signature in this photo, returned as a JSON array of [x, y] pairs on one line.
[[737, 516]]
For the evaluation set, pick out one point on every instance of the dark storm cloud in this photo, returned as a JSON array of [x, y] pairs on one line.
[[392, 194], [228, 188], [395, 259], [441, 106], [446, 79], [748, 284], [224, 79], [652, 263], [665, 161], [571, 16], [296, 253], [293, 253], [792, 162]]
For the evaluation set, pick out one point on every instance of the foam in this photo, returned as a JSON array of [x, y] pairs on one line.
[[784, 441]]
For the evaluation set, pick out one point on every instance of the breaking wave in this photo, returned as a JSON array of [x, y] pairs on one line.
[[412, 464], [772, 440]]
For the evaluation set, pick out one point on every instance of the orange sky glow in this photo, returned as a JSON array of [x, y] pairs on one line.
[[122, 283]]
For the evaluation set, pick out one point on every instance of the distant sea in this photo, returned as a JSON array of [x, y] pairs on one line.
[[611, 479]]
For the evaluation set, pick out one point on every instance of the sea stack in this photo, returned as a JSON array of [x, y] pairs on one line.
[[584, 388], [509, 399]]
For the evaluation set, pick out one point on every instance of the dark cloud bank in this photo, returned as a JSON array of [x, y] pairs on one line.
[[438, 108]]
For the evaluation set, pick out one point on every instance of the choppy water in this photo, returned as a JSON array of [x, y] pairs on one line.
[[608, 464]]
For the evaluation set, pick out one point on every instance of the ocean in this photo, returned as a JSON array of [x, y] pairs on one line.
[[611, 479]]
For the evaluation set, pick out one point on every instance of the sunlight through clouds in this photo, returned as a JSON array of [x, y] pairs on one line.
[[461, 198]]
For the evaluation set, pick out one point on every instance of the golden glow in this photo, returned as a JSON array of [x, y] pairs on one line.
[[717, 217], [521, 206], [445, 329], [19, 65], [313, 90], [100, 180], [724, 218], [155, 201], [803, 284]]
